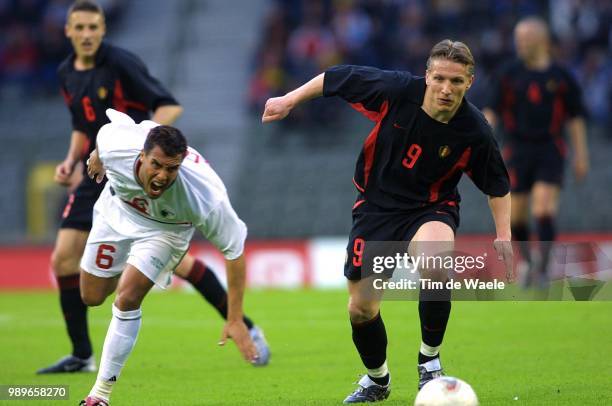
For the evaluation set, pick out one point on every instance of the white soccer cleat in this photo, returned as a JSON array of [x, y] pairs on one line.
[[263, 349]]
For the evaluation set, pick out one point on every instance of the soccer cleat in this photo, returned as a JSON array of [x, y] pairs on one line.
[[263, 349], [70, 363], [93, 401], [368, 391], [429, 371]]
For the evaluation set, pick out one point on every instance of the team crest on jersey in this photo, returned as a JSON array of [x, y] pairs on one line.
[[167, 213], [444, 151], [102, 92]]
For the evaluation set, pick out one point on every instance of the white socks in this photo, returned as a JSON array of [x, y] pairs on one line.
[[379, 372], [120, 339], [429, 351]]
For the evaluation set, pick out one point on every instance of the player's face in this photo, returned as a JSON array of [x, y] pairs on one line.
[[447, 82], [528, 40], [158, 171], [85, 30]]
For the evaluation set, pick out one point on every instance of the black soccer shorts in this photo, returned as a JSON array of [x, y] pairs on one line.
[[529, 163], [373, 223], [78, 212]]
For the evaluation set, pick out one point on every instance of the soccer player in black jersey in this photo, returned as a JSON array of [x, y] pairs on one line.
[[536, 99], [426, 135], [97, 76]]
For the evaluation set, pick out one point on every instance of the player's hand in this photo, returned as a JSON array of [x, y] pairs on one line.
[[63, 172], [95, 169], [238, 332], [276, 108], [581, 168], [504, 253]]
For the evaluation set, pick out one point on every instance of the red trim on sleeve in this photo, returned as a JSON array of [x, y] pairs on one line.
[[357, 186], [121, 104], [358, 203], [67, 97], [451, 203], [371, 115], [558, 113], [86, 146], [369, 145], [434, 190]]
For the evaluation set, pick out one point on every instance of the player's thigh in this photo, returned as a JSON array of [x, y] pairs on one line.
[[432, 240], [95, 289], [364, 299], [106, 252], [545, 199], [133, 287], [69, 246], [101, 265], [157, 256], [185, 266], [519, 208]]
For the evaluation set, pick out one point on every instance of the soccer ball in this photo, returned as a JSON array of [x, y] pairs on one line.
[[446, 391]]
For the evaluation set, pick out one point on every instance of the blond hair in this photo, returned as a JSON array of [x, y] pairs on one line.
[[455, 51]]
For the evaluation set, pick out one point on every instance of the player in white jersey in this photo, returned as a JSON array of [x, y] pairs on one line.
[[158, 192]]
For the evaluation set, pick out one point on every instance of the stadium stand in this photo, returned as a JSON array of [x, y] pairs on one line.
[[222, 62]]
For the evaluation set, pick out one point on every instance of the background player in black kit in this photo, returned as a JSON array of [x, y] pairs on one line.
[[536, 99], [95, 77], [426, 136]]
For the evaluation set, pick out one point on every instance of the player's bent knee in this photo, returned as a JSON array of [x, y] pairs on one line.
[[362, 311], [92, 298], [64, 264], [126, 301]]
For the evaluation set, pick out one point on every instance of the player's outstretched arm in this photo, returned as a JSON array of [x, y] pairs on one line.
[[500, 209], [234, 327], [63, 171], [168, 114], [278, 108]]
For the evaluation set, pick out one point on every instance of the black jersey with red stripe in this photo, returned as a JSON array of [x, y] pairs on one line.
[[534, 105], [119, 80], [410, 160]]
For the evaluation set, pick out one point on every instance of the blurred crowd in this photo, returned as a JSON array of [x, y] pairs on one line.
[[32, 43], [300, 38]]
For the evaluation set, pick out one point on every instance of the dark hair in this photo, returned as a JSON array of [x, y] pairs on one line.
[[455, 51], [171, 140], [85, 5]]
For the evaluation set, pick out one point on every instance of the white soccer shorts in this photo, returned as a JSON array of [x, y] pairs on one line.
[[154, 252]]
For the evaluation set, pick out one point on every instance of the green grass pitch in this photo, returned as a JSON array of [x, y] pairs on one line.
[[528, 353]]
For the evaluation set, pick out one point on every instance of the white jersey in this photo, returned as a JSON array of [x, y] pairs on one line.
[[197, 198]]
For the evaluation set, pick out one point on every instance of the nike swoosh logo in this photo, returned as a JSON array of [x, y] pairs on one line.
[[399, 126]]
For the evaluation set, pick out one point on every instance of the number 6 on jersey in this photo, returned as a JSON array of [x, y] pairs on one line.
[[103, 258]]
